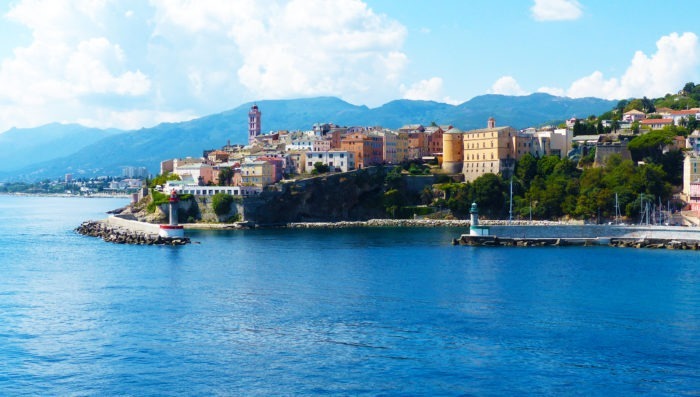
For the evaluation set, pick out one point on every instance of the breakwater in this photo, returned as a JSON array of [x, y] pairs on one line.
[[671, 237], [622, 242], [114, 233]]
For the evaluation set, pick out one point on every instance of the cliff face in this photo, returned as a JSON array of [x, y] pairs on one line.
[[350, 196]]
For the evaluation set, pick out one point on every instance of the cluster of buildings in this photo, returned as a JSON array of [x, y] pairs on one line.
[[661, 118], [497, 149], [270, 158]]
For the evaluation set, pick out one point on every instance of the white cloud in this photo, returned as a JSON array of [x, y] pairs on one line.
[[299, 47], [183, 57], [676, 61], [69, 62], [430, 89], [507, 85], [552, 91], [556, 10]]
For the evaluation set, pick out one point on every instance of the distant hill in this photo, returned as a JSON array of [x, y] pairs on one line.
[[20, 147], [98, 152]]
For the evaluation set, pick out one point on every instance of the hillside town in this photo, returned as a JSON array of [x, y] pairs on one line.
[[245, 170]]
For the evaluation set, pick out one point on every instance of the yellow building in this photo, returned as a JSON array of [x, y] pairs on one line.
[[257, 173], [401, 147], [492, 150], [453, 151]]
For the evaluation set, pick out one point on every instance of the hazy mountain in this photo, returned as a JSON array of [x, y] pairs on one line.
[[20, 147], [99, 152]]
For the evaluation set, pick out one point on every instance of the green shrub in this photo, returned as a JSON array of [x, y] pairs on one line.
[[221, 202]]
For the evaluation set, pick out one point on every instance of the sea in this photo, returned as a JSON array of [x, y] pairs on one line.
[[366, 311]]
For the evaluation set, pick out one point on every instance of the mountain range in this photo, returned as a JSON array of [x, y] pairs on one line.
[[53, 150]]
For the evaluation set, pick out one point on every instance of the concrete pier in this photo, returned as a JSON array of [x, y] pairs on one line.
[[633, 242]]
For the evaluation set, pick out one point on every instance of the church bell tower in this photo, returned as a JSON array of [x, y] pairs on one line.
[[254, 116]]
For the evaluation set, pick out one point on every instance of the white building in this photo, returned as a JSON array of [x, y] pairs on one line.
[[336, 160], [560, 140], [187, 188]]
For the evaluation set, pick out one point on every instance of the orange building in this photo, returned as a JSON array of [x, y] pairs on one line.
[[368, 150]]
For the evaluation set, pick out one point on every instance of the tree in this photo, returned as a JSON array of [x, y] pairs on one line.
[[621, 106], [320, 168], [221, 202], [650, 145], [394, 180], [225, 176], [672, 164], [648, 105], [546, 165], [688, 88], [489, 193], [526, 169], [635, 127], [162, 179], [615, 125]]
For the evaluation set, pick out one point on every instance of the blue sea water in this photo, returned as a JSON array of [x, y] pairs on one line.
[[335, 312]]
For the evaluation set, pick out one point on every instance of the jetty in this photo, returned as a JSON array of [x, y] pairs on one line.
[[666, 237], [622, 242], [120, 230]]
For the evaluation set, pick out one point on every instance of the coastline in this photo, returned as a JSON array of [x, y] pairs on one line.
[[65, 195], [373, 223]]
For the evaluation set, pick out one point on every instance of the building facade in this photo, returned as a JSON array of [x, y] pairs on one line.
[[367, 149], [336, 160], [691, 173], [491, 150], [257, 173]]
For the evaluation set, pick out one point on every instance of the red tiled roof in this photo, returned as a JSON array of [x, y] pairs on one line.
[[683, 112], [656, 121]]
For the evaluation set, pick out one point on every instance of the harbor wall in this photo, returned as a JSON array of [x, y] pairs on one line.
[[133, 225], [592, 231]]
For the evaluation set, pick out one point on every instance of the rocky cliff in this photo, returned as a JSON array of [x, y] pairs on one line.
[[350, 196]]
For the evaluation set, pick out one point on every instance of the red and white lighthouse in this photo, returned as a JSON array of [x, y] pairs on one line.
[[172, 229]]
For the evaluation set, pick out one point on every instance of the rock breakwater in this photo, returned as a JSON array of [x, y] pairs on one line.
[[122, 235]]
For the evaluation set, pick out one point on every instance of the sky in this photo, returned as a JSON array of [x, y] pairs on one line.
[[131, 64]]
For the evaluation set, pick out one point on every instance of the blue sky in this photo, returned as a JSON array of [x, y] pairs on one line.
[[132, 63]]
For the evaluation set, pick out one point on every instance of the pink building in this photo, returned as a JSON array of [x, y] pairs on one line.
[[694, 197]]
